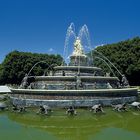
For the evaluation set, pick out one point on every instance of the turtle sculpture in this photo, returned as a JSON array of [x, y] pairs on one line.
[[97, 108], [71, 111], [44, 109], [18, 108], [120, 107], [135, 105]]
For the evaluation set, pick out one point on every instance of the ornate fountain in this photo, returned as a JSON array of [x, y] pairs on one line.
[[77, 83]]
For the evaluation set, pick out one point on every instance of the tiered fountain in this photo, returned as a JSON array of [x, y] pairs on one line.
[[75, 83]]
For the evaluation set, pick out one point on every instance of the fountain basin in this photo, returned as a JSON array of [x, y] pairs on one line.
[[75, 83], [78, 98], [82, 68], [72, 78]]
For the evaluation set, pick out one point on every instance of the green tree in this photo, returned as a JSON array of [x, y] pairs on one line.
[[17, 64], [125, 55]]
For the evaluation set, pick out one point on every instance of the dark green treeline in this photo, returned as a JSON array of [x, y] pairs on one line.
[[125, 55], [17, 64]]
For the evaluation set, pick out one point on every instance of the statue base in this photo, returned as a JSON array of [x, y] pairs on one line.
[[78, 60]]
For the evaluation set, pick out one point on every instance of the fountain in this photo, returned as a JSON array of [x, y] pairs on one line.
[[76, 82]]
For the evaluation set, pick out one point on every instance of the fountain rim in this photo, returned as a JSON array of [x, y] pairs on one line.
[[26, 91], [76, 68], [65, 78]]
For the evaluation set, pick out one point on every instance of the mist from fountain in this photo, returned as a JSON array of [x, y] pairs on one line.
[[70, 33], [84, 36], [71, 37]]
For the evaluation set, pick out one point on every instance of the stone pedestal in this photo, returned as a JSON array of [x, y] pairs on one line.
[[80, 60]]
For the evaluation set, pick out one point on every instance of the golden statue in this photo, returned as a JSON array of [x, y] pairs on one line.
[[78, 48]]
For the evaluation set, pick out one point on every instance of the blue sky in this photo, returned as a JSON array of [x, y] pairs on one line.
[[40, 25]]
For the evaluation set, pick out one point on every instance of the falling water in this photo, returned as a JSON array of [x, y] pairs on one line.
[[70, 33], [71, 36], [84, 34]]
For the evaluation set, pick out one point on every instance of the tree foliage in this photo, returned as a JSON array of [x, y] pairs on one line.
[[17, 64], [125, 55]]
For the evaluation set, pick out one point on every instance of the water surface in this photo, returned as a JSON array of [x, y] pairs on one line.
[[58, 126]]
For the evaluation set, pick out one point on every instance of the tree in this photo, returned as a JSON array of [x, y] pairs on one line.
[[125, 55], [17, 64]]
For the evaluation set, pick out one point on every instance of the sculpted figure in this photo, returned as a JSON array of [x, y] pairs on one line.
[[14, 107], [107, 74], [44, 109], [78, 82], [22, 109], [109, 86], [119, 107], [78, 49], [135, 105], [18, 108], [118, 85], [63, 73], [97, 108], [124, 81], [71, 111]]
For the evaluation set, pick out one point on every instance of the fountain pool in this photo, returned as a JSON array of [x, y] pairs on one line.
[[85, 126]]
